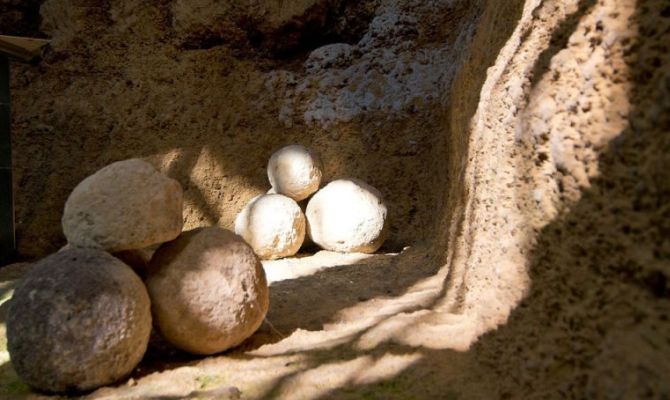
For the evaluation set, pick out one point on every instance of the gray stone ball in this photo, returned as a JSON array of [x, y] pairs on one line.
[[79, 320], [208, 291], [124, 206]]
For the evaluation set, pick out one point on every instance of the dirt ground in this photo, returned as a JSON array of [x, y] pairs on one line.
[[522, 146]]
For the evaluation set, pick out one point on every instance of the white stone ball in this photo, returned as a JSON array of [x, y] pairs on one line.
[[295, 171], [348, 216], [273, 225]]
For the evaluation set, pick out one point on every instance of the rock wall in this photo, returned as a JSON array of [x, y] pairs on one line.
[[522, 145], [562, 218], [208, 100], [20, 17]]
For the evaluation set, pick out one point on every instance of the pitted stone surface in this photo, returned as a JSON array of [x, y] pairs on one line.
[[80, 319], [125, 205], [347, 215], [208, 291]]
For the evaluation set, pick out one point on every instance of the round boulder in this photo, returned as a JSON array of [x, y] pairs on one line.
[[347, 215], [295, 171], [126, 205], [208, 291], [274, 226], [80, 319]]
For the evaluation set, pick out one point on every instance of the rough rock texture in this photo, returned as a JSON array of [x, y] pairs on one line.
[[224, 21], [125, 206], [295, 171], [347, 215], [20, 18], [120, 73], [585, 128], [273, 225], [208, 290], [279, 28], [79, 320], [522, 145]]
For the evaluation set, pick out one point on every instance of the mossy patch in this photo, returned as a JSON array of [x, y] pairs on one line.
[[10, 384], [209, 381]]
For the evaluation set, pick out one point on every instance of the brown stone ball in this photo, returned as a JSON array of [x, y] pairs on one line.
[[208, 291], [80, 319]]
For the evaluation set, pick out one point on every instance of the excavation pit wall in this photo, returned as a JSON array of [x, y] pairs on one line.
[[520, 146]]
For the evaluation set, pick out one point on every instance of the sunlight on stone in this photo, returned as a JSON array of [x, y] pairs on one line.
[[217, 377], [7, 290], [306, 265], [10, 384], [302, 340], [211, 192], [429, 329], [165, 161], [317, 382], [4, 354]]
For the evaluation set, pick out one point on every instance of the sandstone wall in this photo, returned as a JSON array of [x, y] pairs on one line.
[[208, 100]]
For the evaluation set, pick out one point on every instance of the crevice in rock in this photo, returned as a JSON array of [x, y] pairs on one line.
[[20, 18]]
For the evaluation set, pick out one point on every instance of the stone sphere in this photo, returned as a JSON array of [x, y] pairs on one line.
[[208, 291], [295, 171], [126, 205], [80, 319], [273, 225], [347, 215]]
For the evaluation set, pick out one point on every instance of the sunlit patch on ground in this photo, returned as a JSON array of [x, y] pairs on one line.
[[305, 264], [10, 384]]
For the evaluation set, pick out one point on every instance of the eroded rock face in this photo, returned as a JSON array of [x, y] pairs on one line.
[[273, 225], [347, 215], [126, 205], [295, 171], [149, 111], [329, 56], [198, 19], [80, 319], [208, 291]]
